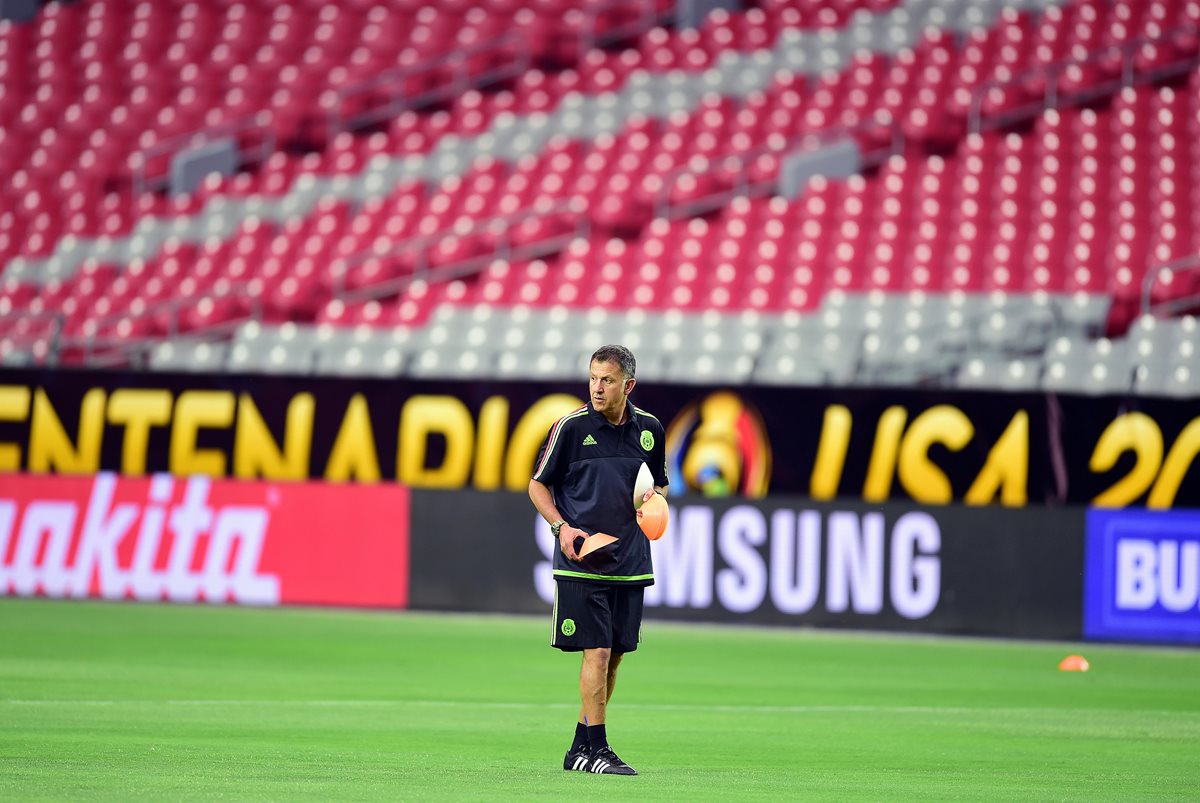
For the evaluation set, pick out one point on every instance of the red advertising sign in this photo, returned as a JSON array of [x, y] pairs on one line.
[[196, 539]]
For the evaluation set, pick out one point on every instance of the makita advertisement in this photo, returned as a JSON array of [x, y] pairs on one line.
[[196, 539], [783, 561], [1142, 579], [928, 447]]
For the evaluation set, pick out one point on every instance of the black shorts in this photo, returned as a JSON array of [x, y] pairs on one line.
[[588, 615]]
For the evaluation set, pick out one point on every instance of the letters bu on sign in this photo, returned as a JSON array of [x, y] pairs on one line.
[[1142, 576]]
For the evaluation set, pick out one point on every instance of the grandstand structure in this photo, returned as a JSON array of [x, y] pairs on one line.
[[493, 188]]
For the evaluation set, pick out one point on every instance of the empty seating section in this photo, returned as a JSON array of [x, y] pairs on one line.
[[413, 132], [978, 253], [90, 84]]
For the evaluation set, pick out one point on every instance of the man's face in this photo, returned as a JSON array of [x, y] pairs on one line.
[[608, 388]]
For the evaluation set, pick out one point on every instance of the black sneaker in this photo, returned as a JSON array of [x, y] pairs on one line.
[[577, 758], [606, 762]]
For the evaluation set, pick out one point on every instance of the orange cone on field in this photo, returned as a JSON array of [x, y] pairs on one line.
[[1073, 663]]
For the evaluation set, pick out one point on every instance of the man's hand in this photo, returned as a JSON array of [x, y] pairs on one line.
[[566, 540]]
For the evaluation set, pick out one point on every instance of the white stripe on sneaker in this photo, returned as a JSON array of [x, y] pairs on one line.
[[581, 762]]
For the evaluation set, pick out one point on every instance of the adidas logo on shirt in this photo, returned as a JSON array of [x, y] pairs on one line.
[[589, 441]]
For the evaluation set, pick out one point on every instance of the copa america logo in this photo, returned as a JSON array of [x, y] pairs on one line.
[[718, 446]]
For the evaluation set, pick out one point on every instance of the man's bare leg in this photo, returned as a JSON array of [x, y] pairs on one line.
[[593, 685], [588, 675], [597, 679]]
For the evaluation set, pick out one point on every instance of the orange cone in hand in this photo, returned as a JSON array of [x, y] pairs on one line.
[[652, 517]]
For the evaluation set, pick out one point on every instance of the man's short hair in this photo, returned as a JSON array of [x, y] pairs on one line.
[[618, 354]]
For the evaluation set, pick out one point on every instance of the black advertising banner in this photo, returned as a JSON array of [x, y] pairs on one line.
[[930, 447], [782, 561]]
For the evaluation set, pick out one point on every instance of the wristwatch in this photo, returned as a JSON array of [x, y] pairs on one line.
[[556, 527]]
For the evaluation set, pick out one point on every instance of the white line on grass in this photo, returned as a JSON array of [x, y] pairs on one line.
[[730, 709]]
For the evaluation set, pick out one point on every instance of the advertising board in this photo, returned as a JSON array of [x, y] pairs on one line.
[[196, 539], [781, 561], [1142, 576], [926, 446]]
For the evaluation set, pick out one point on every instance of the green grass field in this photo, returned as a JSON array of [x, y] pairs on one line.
[[173, 702]]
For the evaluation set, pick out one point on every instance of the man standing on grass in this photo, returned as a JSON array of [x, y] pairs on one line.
[[582, 484]]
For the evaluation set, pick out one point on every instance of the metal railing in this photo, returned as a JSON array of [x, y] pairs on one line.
[[1118, 61], [495, 233], [1187, 264], [734, 176], [646, 17], [151, 166], [99, 348], [101, 345], [37, 334], [446, 76]]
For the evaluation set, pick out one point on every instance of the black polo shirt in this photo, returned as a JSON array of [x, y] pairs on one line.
[[591, 465]]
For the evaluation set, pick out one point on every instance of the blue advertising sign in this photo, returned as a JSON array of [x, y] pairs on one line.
[[1142, 576]]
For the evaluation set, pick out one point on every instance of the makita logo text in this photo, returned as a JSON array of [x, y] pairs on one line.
[[158, 545]]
